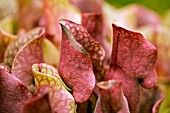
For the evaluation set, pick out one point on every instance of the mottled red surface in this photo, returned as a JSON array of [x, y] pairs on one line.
[[15, 46], [28, 55], [13, 94], [111, 99], [92, 47], [133, 63], [93, 23], [75, 67]]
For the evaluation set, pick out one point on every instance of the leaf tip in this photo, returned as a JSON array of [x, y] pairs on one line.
[[71, 39]]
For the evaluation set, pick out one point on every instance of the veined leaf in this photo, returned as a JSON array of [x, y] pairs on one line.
[[111, 98], [75, 66], [93, 48], [13, 93], [61, 100], [29, 54], [133, 63], [15, 46]]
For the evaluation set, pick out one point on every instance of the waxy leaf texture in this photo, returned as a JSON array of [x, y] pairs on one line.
[[93, 23], [111, 98], [75, 66], [132, 62], [22, 66], [13, 93], [15, 46], [60, 98], [93, 48]]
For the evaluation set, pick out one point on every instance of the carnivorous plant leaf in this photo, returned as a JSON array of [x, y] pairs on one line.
[[15, 46], [93, 48], [133, 63], [13, 93], [60, 98], [111, 98], [29, 54], [75, 66]]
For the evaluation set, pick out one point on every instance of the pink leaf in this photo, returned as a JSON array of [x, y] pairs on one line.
[[15, 46], [93, 22], [93, 48], [13, 94], [28, 55], [111, 98], [61, 100], [133, 63], [75, 66]]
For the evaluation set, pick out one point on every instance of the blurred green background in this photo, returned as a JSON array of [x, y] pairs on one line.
[[160, 6]]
